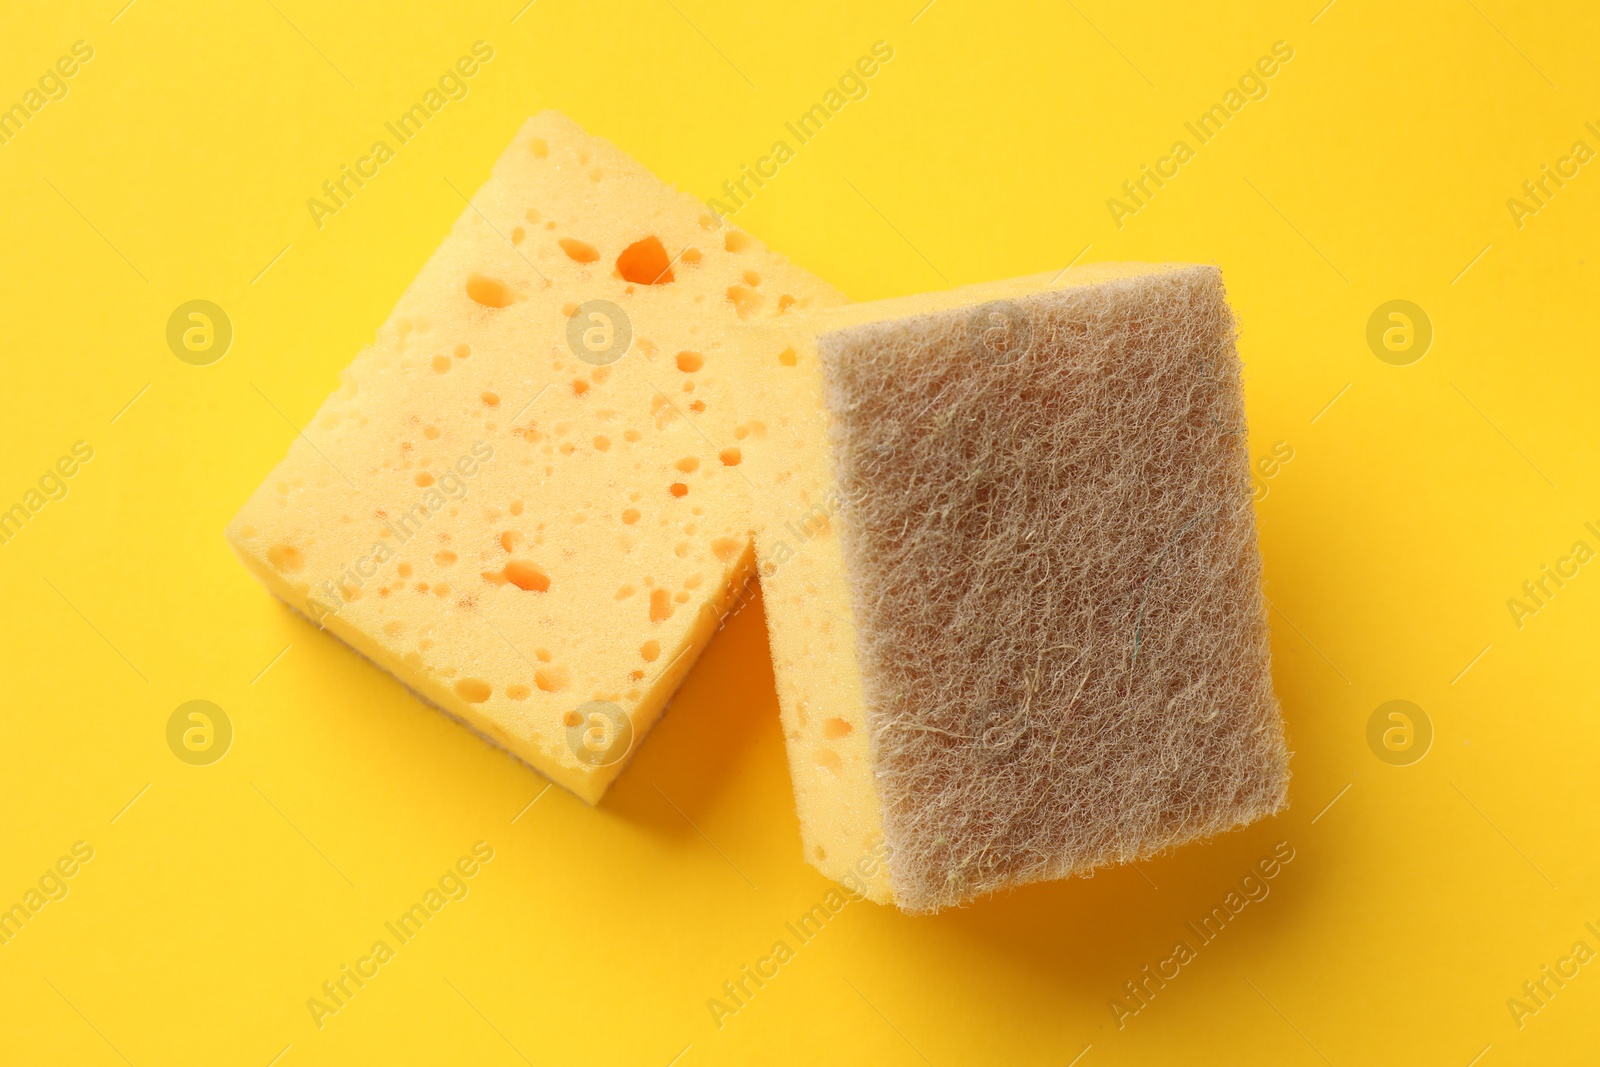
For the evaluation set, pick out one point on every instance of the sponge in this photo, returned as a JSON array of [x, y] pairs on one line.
[[1012, 581], [525, 500]]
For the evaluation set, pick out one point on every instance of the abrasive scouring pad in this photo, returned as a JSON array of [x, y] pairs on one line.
[[1012, 581]]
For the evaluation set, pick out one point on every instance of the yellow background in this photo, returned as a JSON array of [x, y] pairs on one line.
[[1378, 167]]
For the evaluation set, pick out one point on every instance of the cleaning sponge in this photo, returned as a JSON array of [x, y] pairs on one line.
[[525, 500], [1012, 581]]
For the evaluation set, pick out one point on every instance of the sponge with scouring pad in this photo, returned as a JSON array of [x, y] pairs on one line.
[[1012, 582]]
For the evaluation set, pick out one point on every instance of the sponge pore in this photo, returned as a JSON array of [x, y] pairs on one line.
[[1048, 535]]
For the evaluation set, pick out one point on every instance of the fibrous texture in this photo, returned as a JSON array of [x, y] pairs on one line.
[[1045, 524]]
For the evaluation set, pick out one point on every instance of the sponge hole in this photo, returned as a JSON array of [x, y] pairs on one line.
[[286, 558], [645, 262], [529, 577], [745, 301], [552, 679], [490, 292], [579, 251]]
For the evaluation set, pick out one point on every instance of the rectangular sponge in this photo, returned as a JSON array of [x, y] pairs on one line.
[[1012, 583], [524, 500]]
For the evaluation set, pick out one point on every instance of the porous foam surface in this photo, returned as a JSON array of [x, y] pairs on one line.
[[524, 500]]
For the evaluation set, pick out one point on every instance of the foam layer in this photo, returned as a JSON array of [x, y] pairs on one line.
[[525, 504], [1012, 581]]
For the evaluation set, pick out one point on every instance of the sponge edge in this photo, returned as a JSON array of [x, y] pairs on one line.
[[1013, 583]]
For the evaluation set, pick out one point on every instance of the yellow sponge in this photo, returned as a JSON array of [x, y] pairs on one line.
[[525, 500], [1012, 581]]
